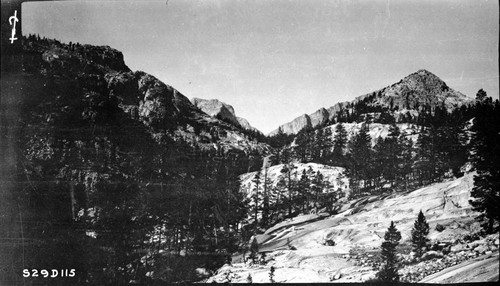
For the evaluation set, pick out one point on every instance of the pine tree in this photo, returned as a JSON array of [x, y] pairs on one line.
[[279, 139], [303, 148], [361, 153], [481, 95], [405, 169], [425, 148], [254, 250], [256, 197], [485, 155], [419, 234], [271, 274], [286, 182], [303, 186], [316, 145], [317, 187], [325, 145], [389, 271], [393, 152], [339, 144], [265, 199]]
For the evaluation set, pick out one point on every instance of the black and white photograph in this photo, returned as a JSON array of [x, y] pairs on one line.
[[249, 141]]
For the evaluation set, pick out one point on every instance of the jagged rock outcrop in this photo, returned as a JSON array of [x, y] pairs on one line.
[[319, 117], [145, 97], [245, 124], [217, 109], [412, 94], [222, 111]]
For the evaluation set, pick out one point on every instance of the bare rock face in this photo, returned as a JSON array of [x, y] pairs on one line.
[[319, 117], [334, 110], [222, 111], [245, 124], [217, 109], [145, 97], [296, 125]]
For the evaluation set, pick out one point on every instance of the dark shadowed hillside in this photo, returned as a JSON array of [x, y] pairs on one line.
[[112, 172]]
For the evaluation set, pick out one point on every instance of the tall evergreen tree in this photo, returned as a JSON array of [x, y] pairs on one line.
[[317, 186], [303, 186], [419, 234], [303, 146], [380, 162], [265, 196], [485, 157], [254, 250], [316, 145], [389, 270], [286, 182], [405, 169], [256, 196], [325, 145], [393, 152], [339, 145], [361, 153], [425, 163]]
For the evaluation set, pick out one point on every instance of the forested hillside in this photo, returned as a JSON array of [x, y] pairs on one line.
[[112, 172], [385, 155], [422, 203]]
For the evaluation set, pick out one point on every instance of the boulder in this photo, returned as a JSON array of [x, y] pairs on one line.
[[432, 254], [477, 243], [440, 227], [335, 276], [453, 225], [457, 248], [481, 249], [329, 242]]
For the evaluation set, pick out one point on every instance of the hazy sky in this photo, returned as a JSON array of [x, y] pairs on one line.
[[275, 60]]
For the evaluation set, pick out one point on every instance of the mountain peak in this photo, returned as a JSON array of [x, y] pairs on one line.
[[423, 76], [415, 92], [424, 71]]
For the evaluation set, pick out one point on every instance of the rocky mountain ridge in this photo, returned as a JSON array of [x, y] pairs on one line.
[[97, 75], [412, 94]]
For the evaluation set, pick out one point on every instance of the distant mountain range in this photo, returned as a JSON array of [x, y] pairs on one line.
[[412, 94]]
